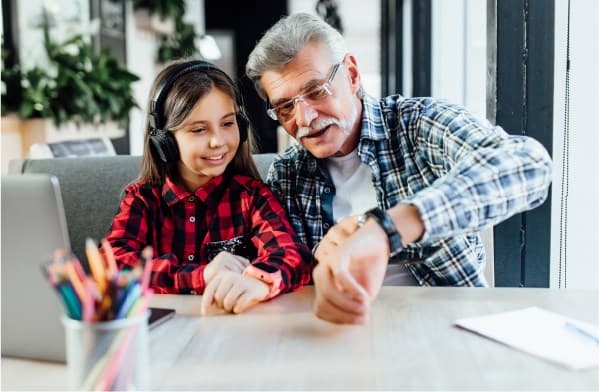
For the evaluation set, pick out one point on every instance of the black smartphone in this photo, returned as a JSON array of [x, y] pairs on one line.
[[159, 316]]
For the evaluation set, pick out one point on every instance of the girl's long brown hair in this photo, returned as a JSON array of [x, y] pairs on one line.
[[182, 97]]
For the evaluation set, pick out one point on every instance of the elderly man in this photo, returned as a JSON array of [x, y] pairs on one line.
[[407, 182]]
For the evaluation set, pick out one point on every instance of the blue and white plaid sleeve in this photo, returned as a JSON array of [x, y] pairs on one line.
[[489, 175]]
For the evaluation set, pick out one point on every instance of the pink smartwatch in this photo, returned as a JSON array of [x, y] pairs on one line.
[[274, 280]]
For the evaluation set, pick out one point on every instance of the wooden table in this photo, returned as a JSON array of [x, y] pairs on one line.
[[409, 343]]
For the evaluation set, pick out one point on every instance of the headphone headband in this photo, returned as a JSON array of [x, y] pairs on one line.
[[157, 120]]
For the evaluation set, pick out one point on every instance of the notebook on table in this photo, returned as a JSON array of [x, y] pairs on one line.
[[33, 227]]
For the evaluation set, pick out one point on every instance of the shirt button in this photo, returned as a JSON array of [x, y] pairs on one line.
[[190, 257], [192, 292], [326, 225], [192, 219], [191, 198], [327, 190]]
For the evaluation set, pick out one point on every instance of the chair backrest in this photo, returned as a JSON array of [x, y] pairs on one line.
[[91, 189]]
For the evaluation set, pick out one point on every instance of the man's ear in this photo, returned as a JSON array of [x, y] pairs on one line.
[[353, 72]]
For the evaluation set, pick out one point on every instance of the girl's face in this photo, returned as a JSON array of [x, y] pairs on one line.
[[208, 139]]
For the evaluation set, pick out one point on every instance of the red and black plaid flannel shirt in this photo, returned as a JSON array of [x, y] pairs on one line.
[[234, 213]]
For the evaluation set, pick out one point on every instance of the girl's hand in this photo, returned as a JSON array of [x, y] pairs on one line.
[[233, 292], [225, 261]]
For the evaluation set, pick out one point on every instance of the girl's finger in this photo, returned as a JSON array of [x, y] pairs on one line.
[[243, 261], [208, 297], [224, 286], [232, 297], [246, 301]]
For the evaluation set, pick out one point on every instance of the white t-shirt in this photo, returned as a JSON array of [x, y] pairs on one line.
[[354, 195]]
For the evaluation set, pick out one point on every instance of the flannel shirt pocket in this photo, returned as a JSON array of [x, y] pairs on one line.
[[240, 246]]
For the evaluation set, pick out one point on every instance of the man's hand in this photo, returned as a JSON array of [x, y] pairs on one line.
[[225, 261], [233, 292], [350, 272]]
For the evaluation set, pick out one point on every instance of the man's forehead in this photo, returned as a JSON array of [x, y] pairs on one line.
[[310, 64]]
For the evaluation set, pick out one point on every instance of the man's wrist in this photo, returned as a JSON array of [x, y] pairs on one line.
[[382, 218], [408, 222]]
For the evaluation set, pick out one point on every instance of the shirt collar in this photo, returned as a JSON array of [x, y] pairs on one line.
[[173, 192], [373, 125]]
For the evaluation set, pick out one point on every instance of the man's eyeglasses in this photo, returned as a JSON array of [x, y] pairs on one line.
[[285, 110]]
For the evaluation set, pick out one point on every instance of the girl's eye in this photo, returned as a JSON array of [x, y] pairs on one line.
[[229, 124], [198, 130]]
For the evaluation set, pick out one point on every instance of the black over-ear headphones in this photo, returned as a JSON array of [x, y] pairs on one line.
[[161, 139]]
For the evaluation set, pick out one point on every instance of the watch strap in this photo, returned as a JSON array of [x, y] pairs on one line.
[[383, 219]]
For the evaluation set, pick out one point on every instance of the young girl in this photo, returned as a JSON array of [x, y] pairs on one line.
[[215, 228]]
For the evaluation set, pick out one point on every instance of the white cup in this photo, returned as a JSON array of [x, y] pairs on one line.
[[109, 355]]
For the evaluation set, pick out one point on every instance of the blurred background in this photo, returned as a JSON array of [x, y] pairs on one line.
[[79, 69]]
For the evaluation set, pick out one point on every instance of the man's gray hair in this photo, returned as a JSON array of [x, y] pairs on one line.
[[283, 41]]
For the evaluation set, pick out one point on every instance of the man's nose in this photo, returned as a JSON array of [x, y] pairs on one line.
[[304, 113]]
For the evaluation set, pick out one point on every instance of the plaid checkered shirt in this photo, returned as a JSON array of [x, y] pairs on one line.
[[462, 174], [186, 230]]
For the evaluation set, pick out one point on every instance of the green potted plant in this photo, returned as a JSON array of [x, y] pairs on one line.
[[77, 94], [9, 79], [158, 16], [11, 123]]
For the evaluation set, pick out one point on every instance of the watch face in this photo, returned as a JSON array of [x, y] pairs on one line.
[[240, 246]]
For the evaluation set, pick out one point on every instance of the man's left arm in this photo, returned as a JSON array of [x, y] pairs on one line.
[[487, 176]]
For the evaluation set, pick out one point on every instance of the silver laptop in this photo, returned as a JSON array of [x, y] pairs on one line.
[[33, 227]]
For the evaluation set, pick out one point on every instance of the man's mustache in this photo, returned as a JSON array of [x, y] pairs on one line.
[[315, 127]]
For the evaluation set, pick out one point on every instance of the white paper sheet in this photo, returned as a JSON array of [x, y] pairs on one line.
[[542, 333]]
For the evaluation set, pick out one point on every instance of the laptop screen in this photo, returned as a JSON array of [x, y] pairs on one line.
[[33, 227]]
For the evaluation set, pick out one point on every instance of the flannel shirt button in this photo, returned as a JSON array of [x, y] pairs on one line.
[[192, 292], [327, 190], [190, 257], [191, 198], [326, 225], [192, 219]]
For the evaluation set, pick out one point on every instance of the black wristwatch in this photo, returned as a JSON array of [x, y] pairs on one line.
[[383, 219]]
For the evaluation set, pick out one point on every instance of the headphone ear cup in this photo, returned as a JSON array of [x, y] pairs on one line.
[[243, 123], [165, 145]]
